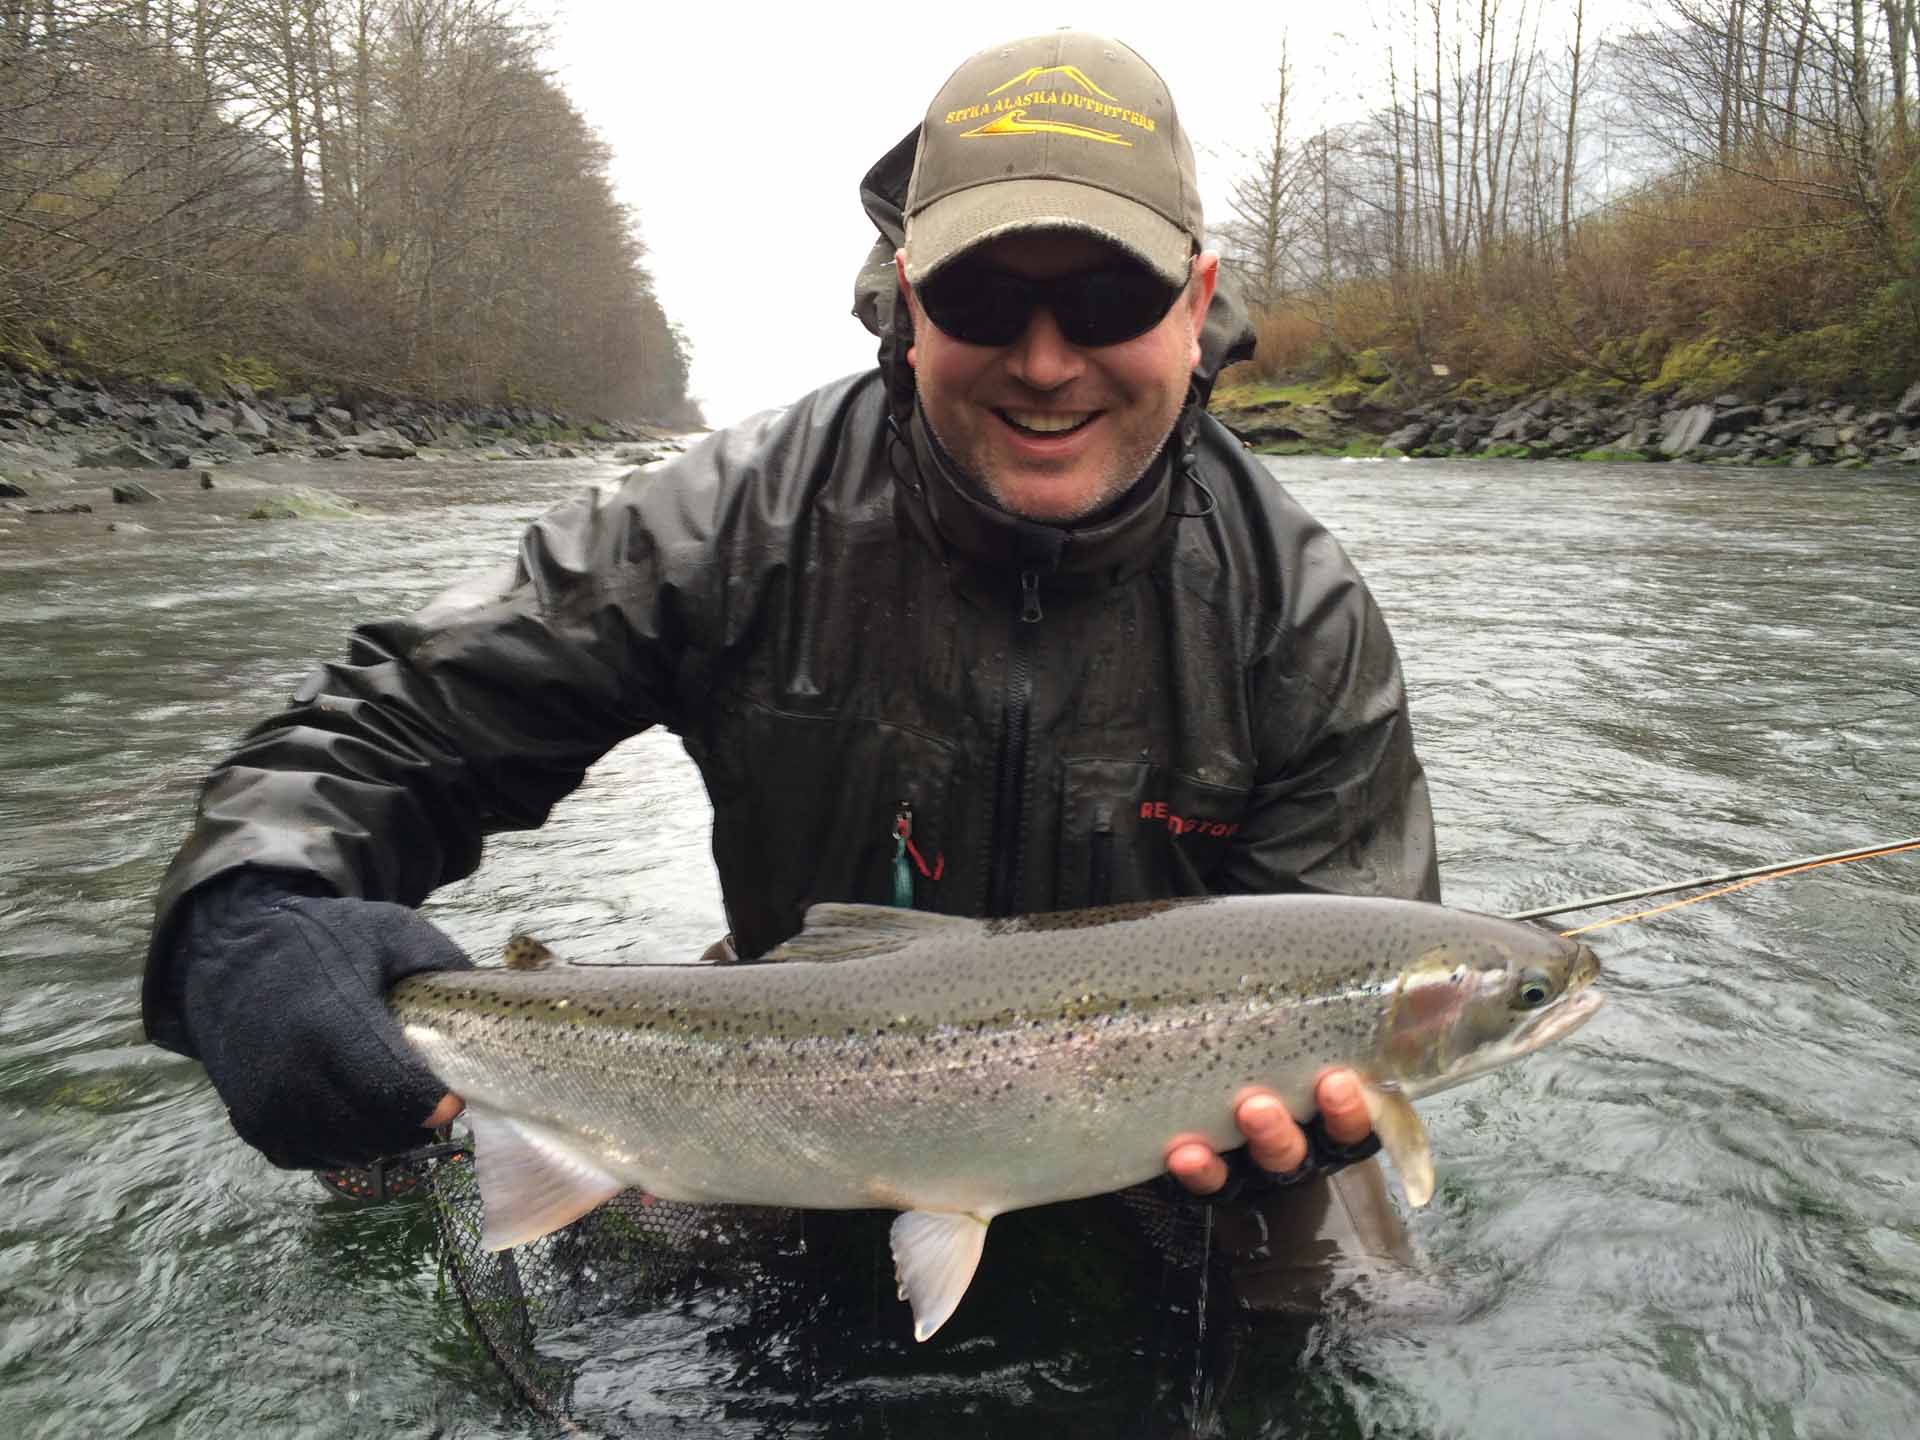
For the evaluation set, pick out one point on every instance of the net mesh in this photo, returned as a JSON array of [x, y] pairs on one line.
[[637, 1252], [628, 1253]]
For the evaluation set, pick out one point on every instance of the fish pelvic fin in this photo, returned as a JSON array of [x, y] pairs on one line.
[[934, 1256], [1404, 1138], [849, 932], [530, 1183]]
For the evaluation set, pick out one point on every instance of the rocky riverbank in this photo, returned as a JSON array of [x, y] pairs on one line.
[[68, 442], [1789, 428]]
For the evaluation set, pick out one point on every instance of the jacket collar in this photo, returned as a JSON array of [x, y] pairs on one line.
[[957, 519]]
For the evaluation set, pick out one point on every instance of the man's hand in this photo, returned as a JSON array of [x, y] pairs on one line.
[[283, 994], [1274, 1141], [446, 1112]]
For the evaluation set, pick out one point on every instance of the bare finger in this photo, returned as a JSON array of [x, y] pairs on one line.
[[1274, 1138], [1195, 1165], [444, 1113], [1343, 1108]]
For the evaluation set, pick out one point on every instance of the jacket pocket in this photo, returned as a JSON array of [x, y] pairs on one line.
[[805, 810], [1136, 831]]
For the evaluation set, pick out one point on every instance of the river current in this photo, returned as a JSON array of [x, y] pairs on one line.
[[1697, 1217]]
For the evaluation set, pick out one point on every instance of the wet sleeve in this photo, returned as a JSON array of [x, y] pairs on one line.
[[1340, 802], [478, 714]]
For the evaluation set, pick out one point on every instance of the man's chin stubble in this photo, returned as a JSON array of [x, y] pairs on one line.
[[1112, 486]]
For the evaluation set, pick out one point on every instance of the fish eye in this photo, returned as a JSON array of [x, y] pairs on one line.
[[1533, 991]]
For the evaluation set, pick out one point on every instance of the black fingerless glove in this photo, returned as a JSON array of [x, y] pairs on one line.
[[283, 996], [1325, 1155]]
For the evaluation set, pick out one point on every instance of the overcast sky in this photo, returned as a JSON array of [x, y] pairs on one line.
[[740, 135]]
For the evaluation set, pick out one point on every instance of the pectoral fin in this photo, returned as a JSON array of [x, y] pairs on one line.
[[530, 1184], [934, 1257], [1404, 1139]]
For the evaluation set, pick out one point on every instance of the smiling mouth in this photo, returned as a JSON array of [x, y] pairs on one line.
[[1046, 424]]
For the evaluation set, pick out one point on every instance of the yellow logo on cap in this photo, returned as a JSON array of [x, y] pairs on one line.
[[1072, 72], [1015, 122], [1007, 114]]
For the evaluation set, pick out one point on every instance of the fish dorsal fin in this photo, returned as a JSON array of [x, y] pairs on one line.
[[934, 1256], [848, 932], [1404, 1138], [530, 1184], [526, 953]]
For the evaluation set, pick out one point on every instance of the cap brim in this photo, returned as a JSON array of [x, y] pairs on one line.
[[954, 224]]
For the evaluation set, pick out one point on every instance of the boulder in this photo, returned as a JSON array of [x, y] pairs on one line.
[[41, 416], [1470, 431], [124, 456], [1735, 419], [1639, 436], [229, 447], [1909, 406], [1514, 424], [130, 492], [1821, 437], [1407, 437], [70, 404], [1686, 429], [300, 407], [384, 445], [249, 422], [211, 422], [72, 507], [299, 503], [11, 491]]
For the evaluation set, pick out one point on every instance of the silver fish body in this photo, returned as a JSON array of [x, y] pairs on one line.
[[958, 1068]]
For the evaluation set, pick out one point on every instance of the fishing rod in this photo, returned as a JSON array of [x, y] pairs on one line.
[[1732, 879]]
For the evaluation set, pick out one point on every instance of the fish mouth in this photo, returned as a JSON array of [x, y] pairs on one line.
[[1559, 1022]]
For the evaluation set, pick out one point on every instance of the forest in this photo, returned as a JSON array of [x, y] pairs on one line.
[[1718, 196], [387, 195]]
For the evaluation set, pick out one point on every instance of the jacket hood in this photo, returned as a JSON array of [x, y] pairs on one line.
[[1226, 338]]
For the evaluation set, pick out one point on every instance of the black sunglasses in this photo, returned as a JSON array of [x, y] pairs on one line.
[[979, 305]]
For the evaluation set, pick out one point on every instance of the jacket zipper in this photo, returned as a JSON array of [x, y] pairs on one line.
[[1010, 785]]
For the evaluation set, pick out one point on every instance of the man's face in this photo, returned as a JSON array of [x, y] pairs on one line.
[[1053, 430]]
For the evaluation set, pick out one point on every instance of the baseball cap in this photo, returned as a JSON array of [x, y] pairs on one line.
[[1063, 131]]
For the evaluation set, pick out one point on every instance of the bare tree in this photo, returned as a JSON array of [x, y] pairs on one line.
[[1265, 203]]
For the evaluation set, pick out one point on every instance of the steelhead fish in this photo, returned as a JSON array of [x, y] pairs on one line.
[[955, 1069]]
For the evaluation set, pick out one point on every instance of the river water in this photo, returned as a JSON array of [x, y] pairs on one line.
[[1695, 1218]]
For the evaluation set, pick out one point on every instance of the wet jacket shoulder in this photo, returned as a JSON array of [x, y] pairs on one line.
[[383, 774]]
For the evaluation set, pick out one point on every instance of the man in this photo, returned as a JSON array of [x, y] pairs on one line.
[[1012, 593]]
